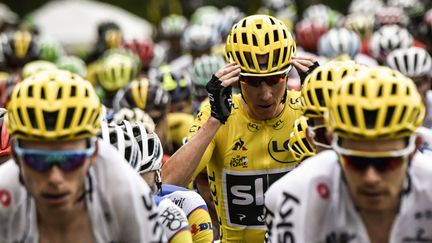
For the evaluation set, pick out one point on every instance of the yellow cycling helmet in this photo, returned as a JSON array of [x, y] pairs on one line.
[[261, 45], [375, 103], [116, 69], [54, 105], [318, 86], [298, 144]]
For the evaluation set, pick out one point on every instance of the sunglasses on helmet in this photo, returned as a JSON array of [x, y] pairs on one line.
[[44, 160]]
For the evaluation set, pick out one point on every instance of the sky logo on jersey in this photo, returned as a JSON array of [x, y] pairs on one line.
[[244, 197]]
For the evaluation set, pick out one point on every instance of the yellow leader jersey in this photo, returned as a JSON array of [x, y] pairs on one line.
[[244, 158]]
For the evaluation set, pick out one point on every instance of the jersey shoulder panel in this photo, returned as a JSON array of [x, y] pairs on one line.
[[13, 204], [189, 201], [125, 196]]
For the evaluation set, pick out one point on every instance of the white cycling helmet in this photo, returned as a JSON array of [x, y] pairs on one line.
[[388, 38], [411, 62], [135, 115], [122, 139], [173, 25], [204, 67], [337, 42], [391, 15], [365, 6], [150, 147], [199, 37]]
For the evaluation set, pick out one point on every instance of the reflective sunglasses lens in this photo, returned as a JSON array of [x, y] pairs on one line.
[[269, 80], [44, 162], [35, 162], [382, 165]]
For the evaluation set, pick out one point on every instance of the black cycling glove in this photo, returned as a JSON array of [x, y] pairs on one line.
[[220, 99], [303, 75]]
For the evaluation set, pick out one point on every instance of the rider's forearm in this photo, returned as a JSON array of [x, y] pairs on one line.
[[180, 167]]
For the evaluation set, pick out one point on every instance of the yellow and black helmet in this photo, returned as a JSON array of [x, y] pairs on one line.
[[116, 69], [298, 144], [318, 86], [20, 47], [54, 105], [375, 103], [261, 45]]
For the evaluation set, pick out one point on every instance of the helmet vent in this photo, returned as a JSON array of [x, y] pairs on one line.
[[402, 115], [363, 90], [340, 112], [83, 112], [59, 93], [285, 52], [350, 88], [150, 147], [254, 40], [245, 39], [272, 22], [299, 127], [73, 91], [69, 115], [259, 26], [344, 73], [352, 116], [42, 93], [389, 115], [320, 97], [370, 117], [380, 89], [266, 39], [319, 76], [275, 35], [330, 76], [50, 120], [32, 118], [394, 89], [30, 91], [306, 143]]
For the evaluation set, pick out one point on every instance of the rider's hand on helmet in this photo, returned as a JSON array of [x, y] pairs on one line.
[[219, 91]]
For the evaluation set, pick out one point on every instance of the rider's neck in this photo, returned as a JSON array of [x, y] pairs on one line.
[[378, 224], [61, 219]]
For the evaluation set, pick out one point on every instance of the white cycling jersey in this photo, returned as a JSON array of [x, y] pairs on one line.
[[312, 204], [119, 203]]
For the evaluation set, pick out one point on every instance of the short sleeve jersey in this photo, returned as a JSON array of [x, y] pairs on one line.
[[244, 158]]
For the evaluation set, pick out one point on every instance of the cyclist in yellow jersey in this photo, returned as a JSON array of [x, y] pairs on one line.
[[243, 139]]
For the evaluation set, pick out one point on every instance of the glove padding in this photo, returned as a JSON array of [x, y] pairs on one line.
[[220, 99], [303, 75]]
